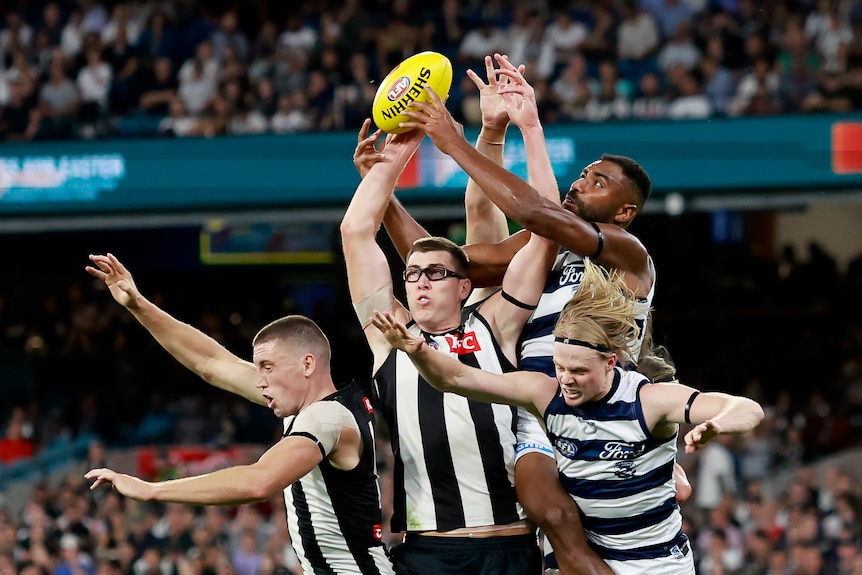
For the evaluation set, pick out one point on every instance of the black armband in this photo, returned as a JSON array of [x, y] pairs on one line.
[[515, 302], [688, 406], [601, 237]]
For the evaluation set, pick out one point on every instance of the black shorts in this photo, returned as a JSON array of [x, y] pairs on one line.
[[426, 555]]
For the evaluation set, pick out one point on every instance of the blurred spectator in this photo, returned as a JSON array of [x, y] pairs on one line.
[[486, 38], [125, 63], [58, 102], [73, 560], [831, 95], [158, 39], [123, 17], [637, 40], [72, 37], [533, 49], [291, 114], [760, 77], [691, 103], [229, 34], [571, 90], [566, 35], [94, 84], [15, 444], [680, 50], [610, 95], [197, 79], [668, 14], [651, 102], [297, 35], [718, 85], [17, 34], [716, 475], [158, 88]]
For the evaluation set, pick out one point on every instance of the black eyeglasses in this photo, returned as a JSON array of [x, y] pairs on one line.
[[433, 273]]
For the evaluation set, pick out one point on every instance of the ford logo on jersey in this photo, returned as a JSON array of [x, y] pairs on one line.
[[621, 450]]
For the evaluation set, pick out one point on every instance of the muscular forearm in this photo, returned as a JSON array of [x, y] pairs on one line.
[[403, 230], [197, 351], [738, 415], [539, 169], [515, 197], [486, 223], [231, 486]]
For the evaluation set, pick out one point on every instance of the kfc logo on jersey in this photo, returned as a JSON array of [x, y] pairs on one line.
[[467, 343], [367, 403], [378, 532]]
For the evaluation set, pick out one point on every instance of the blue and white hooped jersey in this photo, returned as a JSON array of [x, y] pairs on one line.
[[618, 473], [565, 277]]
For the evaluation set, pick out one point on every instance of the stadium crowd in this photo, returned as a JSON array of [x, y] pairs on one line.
[[89, 69]]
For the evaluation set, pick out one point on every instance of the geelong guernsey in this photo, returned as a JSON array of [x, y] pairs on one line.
[[333, 515], [454, 457], [620, 476], [537, 345]]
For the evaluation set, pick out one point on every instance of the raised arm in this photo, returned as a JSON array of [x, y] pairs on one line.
[[525, 278], [368, 273], [191, 347], [485, 222], [667, 404], [525, 205], [531, 390]]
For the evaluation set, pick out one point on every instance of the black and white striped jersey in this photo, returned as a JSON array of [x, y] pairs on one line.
[[454, 457], [333, 515]]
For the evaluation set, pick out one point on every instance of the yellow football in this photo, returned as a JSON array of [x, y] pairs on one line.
[[404, 85]]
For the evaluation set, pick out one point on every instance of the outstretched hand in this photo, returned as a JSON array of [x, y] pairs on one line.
[[396, 332], [702, 434], [494, 110], [366, 153], [434, 119], [518, 94], [117, 278], [125, 484]]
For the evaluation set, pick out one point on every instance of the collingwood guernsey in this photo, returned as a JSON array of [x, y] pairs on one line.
[[454, 457], [333, 515]]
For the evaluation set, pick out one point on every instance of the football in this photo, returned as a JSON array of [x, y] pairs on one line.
[[403, 86]]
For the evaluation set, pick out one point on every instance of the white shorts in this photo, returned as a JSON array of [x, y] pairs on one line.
[[530, 436]]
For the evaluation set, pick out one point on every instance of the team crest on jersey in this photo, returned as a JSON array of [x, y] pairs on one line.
[[625, 469], [367, 403], [566, 447], [467, 343], [621, 450]]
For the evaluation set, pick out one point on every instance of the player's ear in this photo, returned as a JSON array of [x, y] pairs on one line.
[[625, 214]]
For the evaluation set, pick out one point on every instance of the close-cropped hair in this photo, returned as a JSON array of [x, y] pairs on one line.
[[440, 244], [603, 312], [301, 332], [635, 173]]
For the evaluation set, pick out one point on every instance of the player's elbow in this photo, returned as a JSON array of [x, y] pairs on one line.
[[756, 413], [352, 227], [262, 488]]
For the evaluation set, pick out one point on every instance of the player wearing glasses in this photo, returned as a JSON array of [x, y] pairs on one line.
[[454, 494]]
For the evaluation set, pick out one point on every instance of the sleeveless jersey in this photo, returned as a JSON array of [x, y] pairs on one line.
[[454, 457], [620, 476], [537, 341], [333, 515]]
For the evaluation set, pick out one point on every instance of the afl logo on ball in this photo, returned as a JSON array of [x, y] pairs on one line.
[[398, 88]]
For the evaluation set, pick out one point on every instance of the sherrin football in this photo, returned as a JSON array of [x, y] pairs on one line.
[[403, 86]]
